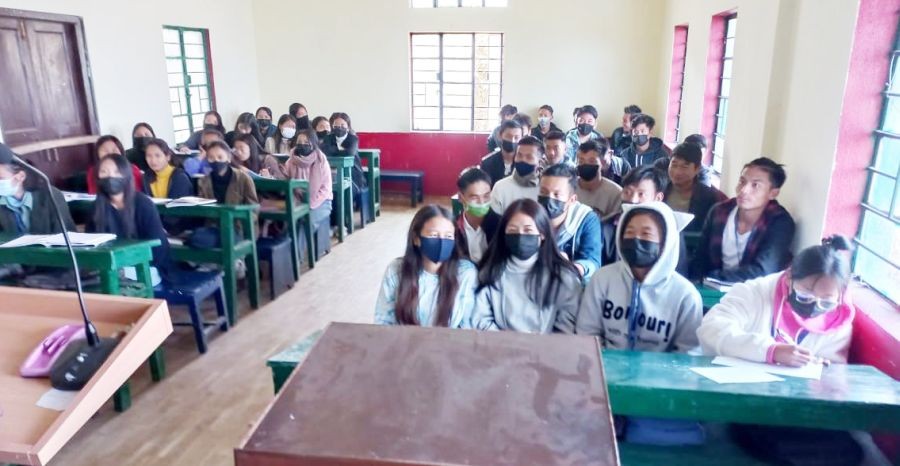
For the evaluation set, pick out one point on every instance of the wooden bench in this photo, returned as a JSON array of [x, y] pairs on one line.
[[416, 180]]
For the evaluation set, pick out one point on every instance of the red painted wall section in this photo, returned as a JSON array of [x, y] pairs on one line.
[[676, 81], [713, 76], [442, 156]]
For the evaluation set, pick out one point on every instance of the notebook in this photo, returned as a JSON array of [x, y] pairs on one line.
[[189, 201], [78, 240]]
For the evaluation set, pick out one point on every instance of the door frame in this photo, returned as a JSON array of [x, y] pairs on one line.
[[77, 24]]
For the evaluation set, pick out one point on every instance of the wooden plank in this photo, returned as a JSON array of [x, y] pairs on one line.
[[55, 144]]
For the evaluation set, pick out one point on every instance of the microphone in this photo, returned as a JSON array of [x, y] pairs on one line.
[[81, 359]]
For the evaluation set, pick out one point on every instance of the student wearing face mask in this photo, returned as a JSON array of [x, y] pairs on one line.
[[524, 284], [27, 210], [478, 223], [524, 120], [594, 190], [264, 121], [300, 115], [621, 136], [343, 142], [246, 124], [685, 192], [308, 162], [322, 127], [225, 184], [499, 163], [507, 112], [639, 304], [141, 134], [576, 227], [644, 149], [554, 149], [545, 123], [585, 120], [432, 285], [211, 121], [199, 165], [523, 183], [283, 140], [128, 213], [106, 145]]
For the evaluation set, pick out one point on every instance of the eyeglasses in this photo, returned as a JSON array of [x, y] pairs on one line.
[[823, 304]]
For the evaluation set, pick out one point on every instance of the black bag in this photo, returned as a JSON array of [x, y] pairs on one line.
[[794, 446]]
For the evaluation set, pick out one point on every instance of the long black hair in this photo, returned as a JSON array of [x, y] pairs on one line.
[[164, 147], [254, 162], [827, 259], [103, 140], [278, 137], [411, 266], [249, 119], [219, 126], [545, 277], [103, 203]]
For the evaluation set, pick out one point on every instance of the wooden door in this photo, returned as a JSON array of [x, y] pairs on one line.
[[46, 92]]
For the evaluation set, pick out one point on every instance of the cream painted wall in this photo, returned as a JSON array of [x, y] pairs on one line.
[[124, 45], [353, 55], [790, 67]]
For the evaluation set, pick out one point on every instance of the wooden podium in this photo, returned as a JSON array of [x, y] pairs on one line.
[[378, 395], [32, 435]]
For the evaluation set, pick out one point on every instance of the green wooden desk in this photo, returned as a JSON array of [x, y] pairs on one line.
[[457, 205], [342, 187], [372, 168], [710, 296], [292, 213]]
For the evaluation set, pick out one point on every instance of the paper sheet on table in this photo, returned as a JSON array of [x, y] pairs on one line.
[[809, 371], [735, 375], [56, 400]]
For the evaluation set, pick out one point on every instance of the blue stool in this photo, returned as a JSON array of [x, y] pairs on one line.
[[363, 201], [277, 253], [190, 289]]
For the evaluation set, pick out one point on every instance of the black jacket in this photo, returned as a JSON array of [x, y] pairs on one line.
[[657, 150], [494, 166], [43, 220], [147, 225], [619, 140], [536, 131], [137, 157], [703, 198], [349, 148]]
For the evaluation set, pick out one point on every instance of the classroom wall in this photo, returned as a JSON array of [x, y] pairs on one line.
[[565, 53], [125, 49], [790, 68]]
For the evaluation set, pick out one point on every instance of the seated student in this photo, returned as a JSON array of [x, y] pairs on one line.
[[640, 185], [499, 163], [264, 120], [249, 157], [141, 134], [523, 183], [246, 124], [595, 191], [432, 285], [525, 121], [685, 193], [283, 140], [163, 179], [705, 176], [621, 136], [638, 303], [576, 227], [583, 131], [105, 146], [127, 213], [211, 121], [199, 165], [322, 127], [225, 184], [554, 149], [545, 123], [25, 207], [748, 236], [300, 115], [507, 112], [644, 149], [614, 167], [524, 284], [478, 223], [343, 142], [308, 162]]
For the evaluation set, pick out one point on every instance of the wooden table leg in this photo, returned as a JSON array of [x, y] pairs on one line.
[[340, 211], [295, 246], [158, 364], [348, 198], [122, 398], [109, 282], [226, 238], [252, 263], [310, 230], [145, 277]]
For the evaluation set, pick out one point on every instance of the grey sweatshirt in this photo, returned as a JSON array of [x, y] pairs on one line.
[[668, 306], [507, 305]]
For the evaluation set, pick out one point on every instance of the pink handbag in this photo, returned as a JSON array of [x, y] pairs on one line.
[[41, 359]]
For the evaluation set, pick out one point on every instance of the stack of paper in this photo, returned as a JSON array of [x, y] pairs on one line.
[[736, 370], [77, 240], [190, 201], [70, 196], [720, 285]]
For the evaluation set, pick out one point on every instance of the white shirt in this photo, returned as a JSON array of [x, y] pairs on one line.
[[733, 243], [507, 191], [507, 169], [476, 239]]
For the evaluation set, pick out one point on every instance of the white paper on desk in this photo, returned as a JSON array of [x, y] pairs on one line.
[[72, 196], [56, 400], [809, 371], [735, 375]]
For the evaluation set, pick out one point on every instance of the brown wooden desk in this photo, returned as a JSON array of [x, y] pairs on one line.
[[380, 395]]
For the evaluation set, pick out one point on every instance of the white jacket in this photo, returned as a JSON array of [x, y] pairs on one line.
[[740, 325]]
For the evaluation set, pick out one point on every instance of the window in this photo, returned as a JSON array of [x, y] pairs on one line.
[[676, 84], [877, 260], [456, 81], [191, 90], [718, 146], [456, 3]]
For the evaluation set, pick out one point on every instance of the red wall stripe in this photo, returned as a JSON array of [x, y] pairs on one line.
[[676, 81], [713, 76]]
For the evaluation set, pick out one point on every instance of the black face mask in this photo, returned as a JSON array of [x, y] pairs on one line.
[[304, 149], [805, 310], [523, 169], [588, 172], [303, 122], [522, 246], [140, 142], [507, 146], [639, 252], [264, 122], [339, 132], [584, 129], [554, 207], [111, 186], [322, 135], [640, 139], [219, 168]]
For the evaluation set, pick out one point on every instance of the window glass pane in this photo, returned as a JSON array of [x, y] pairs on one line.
[[176, 79], [457, 76], [193, 37], [197, 118], [426, 39], [725, 90], [180, 122], [194, 51], [726, 69], [729, 47], [182, 135], [881, 235], [881, 192], [887, 158], [172, 50], [422, 3], [426, 64], [731, 27], [458, 65], [892, 115], [170, 35], [426, 124], [895, 78], [878, 274], [452, 113], [198, 78], [447, 3], [495, 3], [457, 125]]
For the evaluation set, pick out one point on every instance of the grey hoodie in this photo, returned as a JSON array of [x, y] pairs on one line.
[[668, 306]]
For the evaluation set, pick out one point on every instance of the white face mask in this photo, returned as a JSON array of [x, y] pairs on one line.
[[544, 121], [287, 132], [8, 188]]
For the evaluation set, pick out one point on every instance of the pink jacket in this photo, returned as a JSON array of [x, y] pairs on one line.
[[313, 168]]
